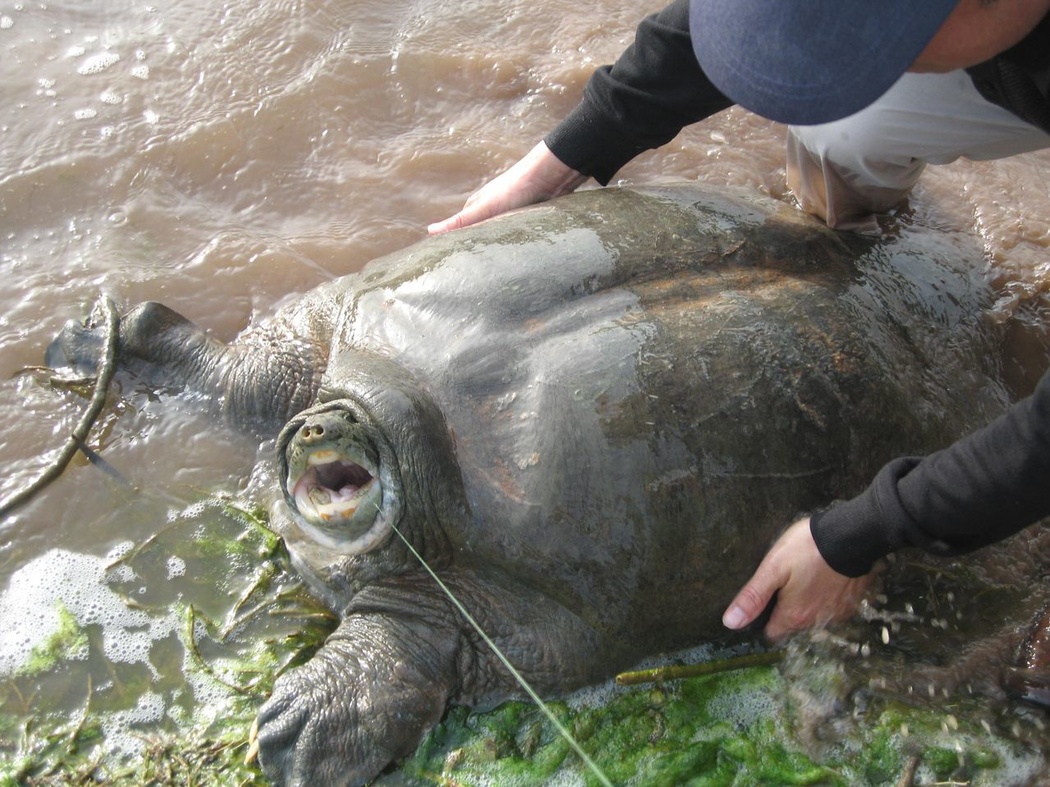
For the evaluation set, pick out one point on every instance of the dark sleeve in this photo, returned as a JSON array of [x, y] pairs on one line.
[[979, 490], [653, 91]]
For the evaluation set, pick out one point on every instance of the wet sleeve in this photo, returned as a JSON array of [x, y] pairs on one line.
[[979, 490], [653, 91]]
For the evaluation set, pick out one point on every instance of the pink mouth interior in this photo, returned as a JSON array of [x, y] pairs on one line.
[[341, 479]]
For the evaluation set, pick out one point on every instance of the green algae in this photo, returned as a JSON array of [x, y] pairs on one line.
[[239, 618], [686, 733], [68, 641], [733, 729], [217, 591]]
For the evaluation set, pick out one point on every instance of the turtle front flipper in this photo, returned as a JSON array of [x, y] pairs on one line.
[[380, 682], [153, 340]]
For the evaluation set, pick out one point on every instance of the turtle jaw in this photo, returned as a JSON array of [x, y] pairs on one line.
[[339, 478], [337, 491]]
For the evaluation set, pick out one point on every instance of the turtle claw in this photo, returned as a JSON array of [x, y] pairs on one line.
[[78, 347], [1032, 686], [253, 744]]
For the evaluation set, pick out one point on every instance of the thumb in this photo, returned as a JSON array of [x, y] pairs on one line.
[[752, 599]]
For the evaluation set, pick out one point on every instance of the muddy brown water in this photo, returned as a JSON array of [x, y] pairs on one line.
[[222, 158]]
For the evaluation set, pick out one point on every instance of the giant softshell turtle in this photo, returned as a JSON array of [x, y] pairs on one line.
[[590, 418]]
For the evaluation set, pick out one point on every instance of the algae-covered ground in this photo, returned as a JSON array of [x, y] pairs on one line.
[[146, 666]]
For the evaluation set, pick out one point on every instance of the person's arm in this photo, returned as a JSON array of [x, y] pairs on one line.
[[654, 90], [981, 489]]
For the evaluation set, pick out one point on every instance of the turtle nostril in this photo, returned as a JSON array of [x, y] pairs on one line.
[[311, 432]]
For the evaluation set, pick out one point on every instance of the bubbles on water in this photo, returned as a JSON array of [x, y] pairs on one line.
[[118, 728], [121, 574], [78, 583], [176, 567], [120, 551], [96, 64]]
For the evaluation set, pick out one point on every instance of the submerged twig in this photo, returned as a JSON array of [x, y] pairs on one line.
[[197, 659], [83, 428], [907, 778], [680, 671], [93, 456]]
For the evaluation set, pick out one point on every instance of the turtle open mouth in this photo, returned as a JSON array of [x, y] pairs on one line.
[[340, 488], [333, 488]]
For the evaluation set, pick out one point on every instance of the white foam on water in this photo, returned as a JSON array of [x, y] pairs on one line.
[[84, 585], [120, 551], [30, 608], [118, 728], [563, 778], [744, 708], [96, 64], [176, 567]]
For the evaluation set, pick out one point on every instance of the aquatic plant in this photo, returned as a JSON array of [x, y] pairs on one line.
[[219, 613]]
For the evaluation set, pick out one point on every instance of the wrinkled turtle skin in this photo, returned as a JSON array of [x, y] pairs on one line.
[[590, 417]]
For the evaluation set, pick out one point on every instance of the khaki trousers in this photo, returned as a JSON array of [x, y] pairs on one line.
[[846, 171]]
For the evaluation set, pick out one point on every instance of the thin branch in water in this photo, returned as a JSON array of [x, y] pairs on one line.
[[678, 672], [907, 778], [83, 428]]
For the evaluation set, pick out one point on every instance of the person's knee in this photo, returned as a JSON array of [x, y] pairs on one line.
[[836, 175], [859, 152]]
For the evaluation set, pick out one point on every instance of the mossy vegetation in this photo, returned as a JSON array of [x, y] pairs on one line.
[[227, 616], [730, 729], [215, 615]]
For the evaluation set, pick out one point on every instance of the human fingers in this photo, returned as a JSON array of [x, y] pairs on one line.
[[463, 218], [497, 196], [816, 596], [539, 176], [753, 597]]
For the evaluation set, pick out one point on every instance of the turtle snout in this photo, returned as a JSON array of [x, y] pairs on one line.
[[311, 432]]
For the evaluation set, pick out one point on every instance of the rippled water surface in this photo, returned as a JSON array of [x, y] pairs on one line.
[[222, 157]]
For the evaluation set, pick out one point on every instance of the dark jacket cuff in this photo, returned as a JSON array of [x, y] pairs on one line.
[[854, 534]]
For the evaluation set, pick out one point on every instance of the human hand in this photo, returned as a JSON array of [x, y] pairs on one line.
[[810, 593], [539, 176]]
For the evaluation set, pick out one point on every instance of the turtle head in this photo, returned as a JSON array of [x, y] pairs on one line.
[[339, 477]]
